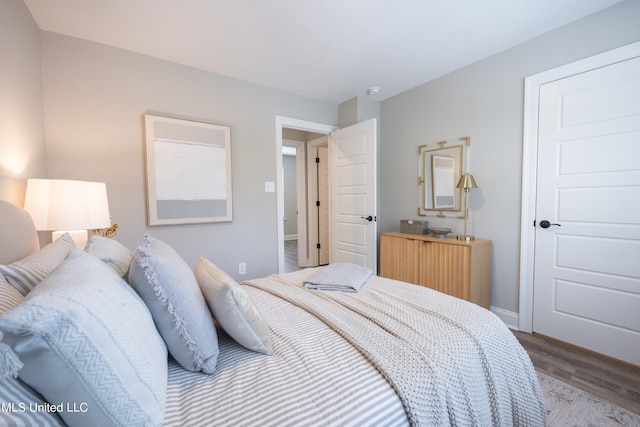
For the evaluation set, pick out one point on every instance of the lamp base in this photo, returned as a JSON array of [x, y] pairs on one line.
[[465, 237], [79, 237]]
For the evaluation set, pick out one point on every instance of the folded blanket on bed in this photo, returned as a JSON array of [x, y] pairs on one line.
[[346, 277]]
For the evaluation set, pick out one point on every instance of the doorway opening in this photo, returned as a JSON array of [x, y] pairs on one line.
[[296, 207], [305, 177]]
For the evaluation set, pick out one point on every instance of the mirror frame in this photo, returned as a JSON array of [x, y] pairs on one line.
[[426, 180]]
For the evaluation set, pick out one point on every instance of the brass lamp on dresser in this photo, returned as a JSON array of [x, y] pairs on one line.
[[455, 267]]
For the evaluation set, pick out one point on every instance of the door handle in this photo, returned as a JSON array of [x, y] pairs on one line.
[[368, 218], [546, 224]]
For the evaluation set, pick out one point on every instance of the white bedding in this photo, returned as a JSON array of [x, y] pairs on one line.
[[476, 372], [451, 362]]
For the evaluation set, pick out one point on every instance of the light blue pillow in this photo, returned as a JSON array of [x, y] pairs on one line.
[[86, 341], [167, 285], [111, 252]]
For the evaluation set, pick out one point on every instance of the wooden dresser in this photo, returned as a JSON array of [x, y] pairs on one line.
[[451, 266]]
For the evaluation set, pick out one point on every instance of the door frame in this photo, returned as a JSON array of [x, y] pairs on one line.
[[290, 123], [532, 86], [312, 194]]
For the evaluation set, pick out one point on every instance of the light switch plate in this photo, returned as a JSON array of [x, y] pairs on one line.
[[269, 187]]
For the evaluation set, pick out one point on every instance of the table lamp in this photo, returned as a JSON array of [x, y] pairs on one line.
[[466, 182], [67, 206]]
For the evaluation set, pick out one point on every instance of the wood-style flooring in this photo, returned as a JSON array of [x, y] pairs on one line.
[[291, 256], [601, 376]]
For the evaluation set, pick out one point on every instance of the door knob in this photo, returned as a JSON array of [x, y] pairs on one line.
[[546, 224], [368, 218]]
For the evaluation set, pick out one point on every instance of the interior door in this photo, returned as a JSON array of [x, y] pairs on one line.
[[587, 239], [352, 154]]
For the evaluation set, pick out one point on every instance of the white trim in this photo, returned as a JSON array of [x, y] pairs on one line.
[[530, 156], [312, 194], [509, 318], [290, 237], [289, 123]]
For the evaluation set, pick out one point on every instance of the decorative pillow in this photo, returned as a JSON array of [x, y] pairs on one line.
[[25, 274], [9, 296], [111, 252], [89, 346], [167, 285], [232, 307]]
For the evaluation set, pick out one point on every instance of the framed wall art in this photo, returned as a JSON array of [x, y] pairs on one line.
[[188, 171]]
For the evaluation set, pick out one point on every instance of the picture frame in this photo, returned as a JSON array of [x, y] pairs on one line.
[[188, 171]]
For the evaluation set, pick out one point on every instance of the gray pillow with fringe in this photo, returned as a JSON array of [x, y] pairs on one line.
[[167, 285]]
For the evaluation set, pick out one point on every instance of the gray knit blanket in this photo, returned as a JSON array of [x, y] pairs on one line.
[[343, 276], [452, 363]]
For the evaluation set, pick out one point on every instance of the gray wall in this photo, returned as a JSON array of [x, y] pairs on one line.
[[94, 99], [485, 101], [22, 153], [290, 195]]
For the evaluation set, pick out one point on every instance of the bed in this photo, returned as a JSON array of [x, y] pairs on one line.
[[108, 336]]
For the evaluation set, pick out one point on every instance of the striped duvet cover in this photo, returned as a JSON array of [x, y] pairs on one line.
[[324, 372], [313, 378]]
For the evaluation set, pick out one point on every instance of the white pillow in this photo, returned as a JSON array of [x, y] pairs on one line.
[[167, 285], [25, 274], [87, 342], [232, 307]]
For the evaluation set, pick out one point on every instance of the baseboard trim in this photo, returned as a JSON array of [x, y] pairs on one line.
[[291, 237], [509, 318]]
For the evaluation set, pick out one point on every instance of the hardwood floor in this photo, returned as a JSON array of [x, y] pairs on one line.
[[291, 256], [601, 376]]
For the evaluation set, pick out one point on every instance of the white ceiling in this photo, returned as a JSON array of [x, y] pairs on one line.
[[330, 50]]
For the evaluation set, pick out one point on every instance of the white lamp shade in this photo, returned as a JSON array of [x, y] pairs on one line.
[[57, 204]]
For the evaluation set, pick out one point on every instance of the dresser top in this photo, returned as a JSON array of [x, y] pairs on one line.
[[430, 238]]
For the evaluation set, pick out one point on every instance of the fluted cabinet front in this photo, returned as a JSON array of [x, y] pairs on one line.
[[451, 266]]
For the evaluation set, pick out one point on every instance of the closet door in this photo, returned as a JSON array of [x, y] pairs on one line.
[[587, 235]]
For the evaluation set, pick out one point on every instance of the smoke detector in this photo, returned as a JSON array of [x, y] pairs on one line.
[[373, 90]]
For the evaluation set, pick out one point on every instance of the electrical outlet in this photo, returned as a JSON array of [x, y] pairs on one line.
[[242, 268]]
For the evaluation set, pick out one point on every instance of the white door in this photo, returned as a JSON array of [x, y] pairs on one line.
[[352, 154], [587, 253]]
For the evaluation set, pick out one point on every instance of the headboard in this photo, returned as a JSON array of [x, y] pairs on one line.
[[18, 236]]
